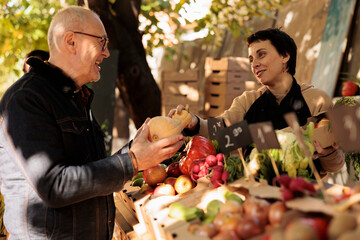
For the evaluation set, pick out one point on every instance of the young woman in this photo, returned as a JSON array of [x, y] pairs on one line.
[[272, 55]]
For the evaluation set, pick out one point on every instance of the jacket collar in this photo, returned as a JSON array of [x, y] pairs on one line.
[[49, 71], [57, 77]]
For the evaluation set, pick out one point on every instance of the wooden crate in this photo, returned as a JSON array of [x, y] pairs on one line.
[[220, 95], [213, 108], [226, 76], [227, 64], [180, 88], [175, 76], [232, 88], [125, 217], [225, 79]]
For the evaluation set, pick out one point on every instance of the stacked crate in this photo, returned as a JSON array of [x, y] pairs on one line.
[[225, 79], [180, 88]]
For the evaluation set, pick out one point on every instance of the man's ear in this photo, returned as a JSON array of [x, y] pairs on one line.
[[69, 41]]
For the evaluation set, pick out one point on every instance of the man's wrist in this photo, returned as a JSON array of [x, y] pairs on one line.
[[133, 161]]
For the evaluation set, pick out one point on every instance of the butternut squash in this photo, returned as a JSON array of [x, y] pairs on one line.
[[162, 127], [183, 119]]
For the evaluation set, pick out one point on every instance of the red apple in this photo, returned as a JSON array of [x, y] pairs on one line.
[[171, 181], [164, 189], [146, 189], [349, 88], [183, 184], [154, 175], [173, 170]]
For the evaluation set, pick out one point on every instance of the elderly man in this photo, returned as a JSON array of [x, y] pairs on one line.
[[55, 176]]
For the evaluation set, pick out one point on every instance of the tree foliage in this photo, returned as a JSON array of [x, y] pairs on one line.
[[164, 22], [24, 25]]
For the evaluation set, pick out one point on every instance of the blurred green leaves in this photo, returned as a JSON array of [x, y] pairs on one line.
[[24, 25]]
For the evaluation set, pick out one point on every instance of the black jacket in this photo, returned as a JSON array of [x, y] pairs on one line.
[[55, 177]]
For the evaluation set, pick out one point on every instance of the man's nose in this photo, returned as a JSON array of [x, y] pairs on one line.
[[106, 53]]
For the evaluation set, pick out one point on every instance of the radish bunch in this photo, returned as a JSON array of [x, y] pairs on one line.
[[294, 187], [213, 167]]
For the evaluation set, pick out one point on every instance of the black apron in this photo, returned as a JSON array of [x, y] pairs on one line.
[[265, 108]]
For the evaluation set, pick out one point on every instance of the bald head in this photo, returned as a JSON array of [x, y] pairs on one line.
[[78, 44], [73, 18]]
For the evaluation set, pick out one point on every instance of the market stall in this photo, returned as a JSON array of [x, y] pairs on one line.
[[209, 190]]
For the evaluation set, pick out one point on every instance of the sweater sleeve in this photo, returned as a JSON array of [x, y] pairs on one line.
[[333, 162], [318, 102]]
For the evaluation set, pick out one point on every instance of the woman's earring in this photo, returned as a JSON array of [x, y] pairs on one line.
[[284, 69]]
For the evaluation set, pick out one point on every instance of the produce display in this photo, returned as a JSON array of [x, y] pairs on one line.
[[202, 193]]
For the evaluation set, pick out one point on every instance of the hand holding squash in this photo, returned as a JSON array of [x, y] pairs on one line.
[[162, 127], [148, 153]]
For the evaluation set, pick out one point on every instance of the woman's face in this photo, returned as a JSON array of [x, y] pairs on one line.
[[266, 63]]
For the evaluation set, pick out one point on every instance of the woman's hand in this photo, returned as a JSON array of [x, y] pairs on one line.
[[194, 120], [321, 152], [148, 154]]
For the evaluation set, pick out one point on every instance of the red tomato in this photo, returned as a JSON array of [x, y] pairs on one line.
[[198, 148], [349, 89]]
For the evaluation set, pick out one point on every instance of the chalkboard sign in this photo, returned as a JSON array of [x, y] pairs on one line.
[[215, 125], [264, 136], [234, 137], [332, 45], [345, 124]]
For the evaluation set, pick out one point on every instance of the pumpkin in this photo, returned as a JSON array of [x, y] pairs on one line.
[[197, 148]]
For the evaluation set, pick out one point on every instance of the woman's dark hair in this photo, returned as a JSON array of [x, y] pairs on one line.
[[283, 43], [41, 54]]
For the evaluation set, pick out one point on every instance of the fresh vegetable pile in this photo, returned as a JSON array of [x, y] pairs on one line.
[[245, 213], [198, 159], [294, 187], [289, 159], [235, 218]]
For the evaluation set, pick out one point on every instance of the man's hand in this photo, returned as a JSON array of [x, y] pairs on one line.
[[149, 154]]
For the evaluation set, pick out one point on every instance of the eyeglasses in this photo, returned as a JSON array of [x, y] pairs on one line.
[[104, 40]]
